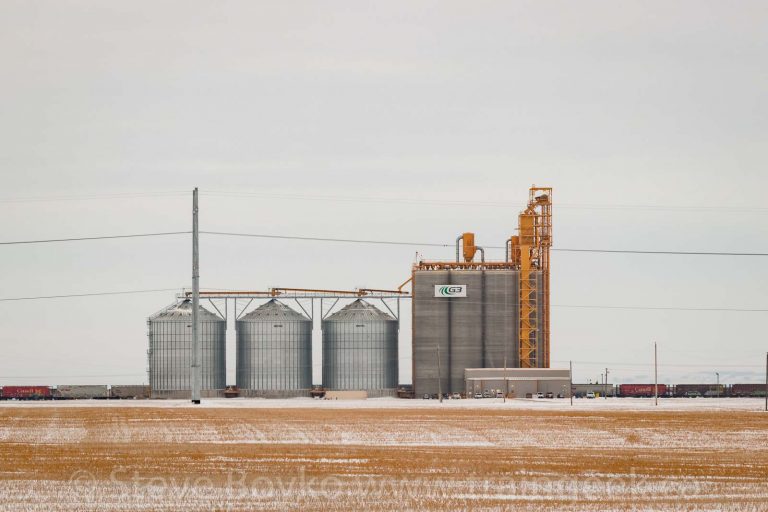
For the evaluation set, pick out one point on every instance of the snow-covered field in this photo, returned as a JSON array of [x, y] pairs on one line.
[[384, 454], [557, 404]]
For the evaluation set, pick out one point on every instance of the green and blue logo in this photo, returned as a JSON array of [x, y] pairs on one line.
[[450, 290]]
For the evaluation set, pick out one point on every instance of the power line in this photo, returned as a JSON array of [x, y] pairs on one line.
[[325, 239], [654, 308], [96, 294], [493, 204], [84, 238], [87, 197], [681, 253], [365, 199], [585, 306], [670, 365], [428, 244], [372, 242], [374, 199]]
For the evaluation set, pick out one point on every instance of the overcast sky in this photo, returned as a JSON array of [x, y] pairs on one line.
[[409, 121]]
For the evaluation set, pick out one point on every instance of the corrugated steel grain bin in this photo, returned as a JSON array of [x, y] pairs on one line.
[[170, 352], [274, 352], [360, 350]]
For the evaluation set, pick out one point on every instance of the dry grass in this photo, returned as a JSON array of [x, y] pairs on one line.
[[239, 459]]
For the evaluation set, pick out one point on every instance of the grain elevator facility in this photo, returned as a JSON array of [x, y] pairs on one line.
[[468, 313], [473, 313]]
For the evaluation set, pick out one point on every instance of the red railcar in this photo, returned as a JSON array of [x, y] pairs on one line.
[[641, 390], [748, 390], [696, 390], [26, 392]]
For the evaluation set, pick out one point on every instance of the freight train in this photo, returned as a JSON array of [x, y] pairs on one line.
[[670, 390], [116, 392], [692, 390], [74, 392]]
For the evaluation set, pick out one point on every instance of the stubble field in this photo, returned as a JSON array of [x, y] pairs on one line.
[[313, 456]]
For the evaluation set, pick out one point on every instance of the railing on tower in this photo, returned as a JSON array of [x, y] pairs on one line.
[[530, 250]]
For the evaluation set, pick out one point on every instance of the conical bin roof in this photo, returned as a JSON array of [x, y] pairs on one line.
[[274, 310], [359, 311], [183, 310]]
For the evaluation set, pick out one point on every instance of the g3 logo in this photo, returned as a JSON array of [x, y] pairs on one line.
[[448, 290]]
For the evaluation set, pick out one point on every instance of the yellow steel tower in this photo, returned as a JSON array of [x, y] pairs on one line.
[[529, 251]]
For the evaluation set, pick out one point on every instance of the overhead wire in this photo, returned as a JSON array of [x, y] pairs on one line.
[[467, 302], [103, 237], [677, 253], [325, 239], [659, 308], [370, 242], [617, 364], [484, 203], [94, 294], [99, 294], [379, 242], [432, 244], [89, 197], [379, 199]]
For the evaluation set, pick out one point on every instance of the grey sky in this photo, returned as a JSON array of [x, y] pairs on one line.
[[610, 103]]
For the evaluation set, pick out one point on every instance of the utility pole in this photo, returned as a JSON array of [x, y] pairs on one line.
[[506, 340], [439, 376], [506, 382], [605, 396], [718, 384], [196, 349], [570, 384], [655, 375]]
